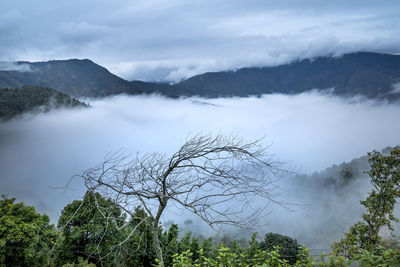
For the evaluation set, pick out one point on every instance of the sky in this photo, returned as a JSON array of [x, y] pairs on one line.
[[156, 40]]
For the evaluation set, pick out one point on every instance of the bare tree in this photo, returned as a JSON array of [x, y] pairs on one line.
[[202, 177]]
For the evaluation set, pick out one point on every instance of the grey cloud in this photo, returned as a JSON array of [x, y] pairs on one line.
[[10, 18], [328, 204], [174, 40], [83, 32], [396, 88], [154, 71]]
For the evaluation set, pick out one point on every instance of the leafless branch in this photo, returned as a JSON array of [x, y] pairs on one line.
[[206, 176]]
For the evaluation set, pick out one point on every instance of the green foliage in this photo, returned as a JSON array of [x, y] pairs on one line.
[[25, 236], [379, 206], [289, 248], [272, 258], [253, 245], [14, 102], [381, 257], [227, 258], [170, 244], [88, 240], [81, 263], [185, 243], [90, 230], [235, 247], [206, 247], [195, 247], [138, 250]]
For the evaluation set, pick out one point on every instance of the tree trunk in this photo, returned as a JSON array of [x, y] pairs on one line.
[[157, 246]]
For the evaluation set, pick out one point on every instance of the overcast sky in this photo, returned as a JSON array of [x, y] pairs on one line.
[[175, 39]]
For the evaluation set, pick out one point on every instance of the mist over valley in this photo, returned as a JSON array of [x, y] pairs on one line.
[[308, 132]]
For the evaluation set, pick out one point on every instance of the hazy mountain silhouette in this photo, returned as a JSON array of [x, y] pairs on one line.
[[369, 74], [74, 77]]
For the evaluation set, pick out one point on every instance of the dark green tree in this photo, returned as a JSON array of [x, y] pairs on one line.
[[170, 244], [184, 243], [25, 235], [206, 246], [235, 247], [253, 245], [289, 249], [92, 229], [138, 247], [195, 248], [379, 206]]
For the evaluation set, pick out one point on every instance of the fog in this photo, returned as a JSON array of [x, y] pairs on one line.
[[309, 132], [13, 66]]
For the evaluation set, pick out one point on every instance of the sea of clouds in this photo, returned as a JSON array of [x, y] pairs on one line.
[[309, 132]]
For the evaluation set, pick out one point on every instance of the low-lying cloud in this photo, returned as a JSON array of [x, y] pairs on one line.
[[310, 132], [13, 66], [396, 88]]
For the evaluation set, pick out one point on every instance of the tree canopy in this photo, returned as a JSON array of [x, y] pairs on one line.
[[91, 228], [289, 249], [25, 235]]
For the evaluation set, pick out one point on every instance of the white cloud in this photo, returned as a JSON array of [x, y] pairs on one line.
[[309, 130], [9, 66]]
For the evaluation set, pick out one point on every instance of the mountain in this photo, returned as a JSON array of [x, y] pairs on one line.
[[74, 77], [14, 102], [369, 74]]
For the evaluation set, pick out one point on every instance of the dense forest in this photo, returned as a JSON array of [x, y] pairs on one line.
[[95, 231], [14, 102]]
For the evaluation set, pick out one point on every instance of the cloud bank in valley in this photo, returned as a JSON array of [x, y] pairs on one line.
[[309, 131]]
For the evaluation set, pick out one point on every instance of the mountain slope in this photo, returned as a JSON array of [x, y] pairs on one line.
[[14, 102], [369, 74], [74, 77]]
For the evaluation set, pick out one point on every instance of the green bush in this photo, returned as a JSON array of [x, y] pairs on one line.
[[289, 248]]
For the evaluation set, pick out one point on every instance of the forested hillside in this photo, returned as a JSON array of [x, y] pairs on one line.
[[73, 77], [14, 102], [368, 74]]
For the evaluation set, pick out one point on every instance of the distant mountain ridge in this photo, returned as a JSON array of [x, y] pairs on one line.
[[369, 74], [74, 77]]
